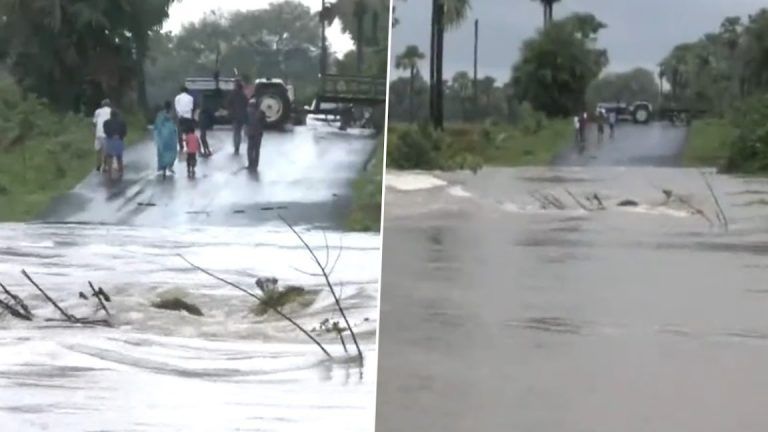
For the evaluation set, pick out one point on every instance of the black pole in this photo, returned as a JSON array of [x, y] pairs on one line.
[[474, 79], [439, 65], [432, 62], [323, 46]]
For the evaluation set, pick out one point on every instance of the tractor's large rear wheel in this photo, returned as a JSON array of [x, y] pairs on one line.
[[277, 107], [641, 114]]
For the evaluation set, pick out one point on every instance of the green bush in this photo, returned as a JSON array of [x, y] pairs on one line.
[[749, 145], [43, 152]]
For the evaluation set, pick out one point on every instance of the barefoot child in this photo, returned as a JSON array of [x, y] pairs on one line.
[[193, 148]]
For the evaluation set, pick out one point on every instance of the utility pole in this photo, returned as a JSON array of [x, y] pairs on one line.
[[474, 78], [323, 46]]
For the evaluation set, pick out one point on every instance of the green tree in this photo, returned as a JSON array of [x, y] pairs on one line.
[[409, 60], [87, 42], [556, 66]]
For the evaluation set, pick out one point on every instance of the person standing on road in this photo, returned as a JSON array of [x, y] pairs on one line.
[[165, 138], [206, 122], [612, 123], [255, 130], [185, 106], [238, 112], [600, 125], [577, 129], [193, 148], [115, 130], [99, 117]]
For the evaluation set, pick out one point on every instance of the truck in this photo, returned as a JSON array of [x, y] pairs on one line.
[[275, 95], [639, 112]]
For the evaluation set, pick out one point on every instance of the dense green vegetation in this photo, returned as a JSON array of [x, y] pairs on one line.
[[725, 75], [515, 123], [471, 146], [366, 203], [43, 152]]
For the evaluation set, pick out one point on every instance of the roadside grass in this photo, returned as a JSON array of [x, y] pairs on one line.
[[43, 153], [708, 143], [365, 214], [471, 146]]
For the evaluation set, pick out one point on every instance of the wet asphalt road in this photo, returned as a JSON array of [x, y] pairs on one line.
[[305, 175], [654, 144]]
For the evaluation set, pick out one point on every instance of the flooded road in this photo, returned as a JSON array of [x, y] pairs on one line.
[[500, 315], [658, 144], [229, 369], [167, 371], [305, 174]]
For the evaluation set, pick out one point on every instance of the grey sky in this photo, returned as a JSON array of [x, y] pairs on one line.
[[186, 11], [639, 33]]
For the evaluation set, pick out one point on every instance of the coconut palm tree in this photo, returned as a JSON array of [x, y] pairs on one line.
[[446, 14], [548, 7], [409, 60]]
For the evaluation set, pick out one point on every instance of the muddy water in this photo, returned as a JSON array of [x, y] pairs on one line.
[[167, 371], [500, 315]]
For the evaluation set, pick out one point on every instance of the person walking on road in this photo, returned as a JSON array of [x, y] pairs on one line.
[[255, 131], [238, 112], [165, 138], [193, 148], [115, 130], [100, 116], [185, 106]]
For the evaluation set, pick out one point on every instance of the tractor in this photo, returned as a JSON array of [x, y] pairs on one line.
[[638, 112], [276, 98]]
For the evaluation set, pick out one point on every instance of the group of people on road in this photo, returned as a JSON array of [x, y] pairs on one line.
[[601, 118], [174, 131], [110, 131]]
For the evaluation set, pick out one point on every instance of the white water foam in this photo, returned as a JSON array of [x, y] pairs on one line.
[[412, 181]]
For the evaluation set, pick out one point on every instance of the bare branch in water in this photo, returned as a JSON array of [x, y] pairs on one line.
[[255, 296], [14, 312], [583, 207], [16, 299], [98, 297], [64, 313], [328, 283], [717, 201]]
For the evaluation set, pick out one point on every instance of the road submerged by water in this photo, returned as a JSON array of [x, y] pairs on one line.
[[500, 315], [159, 370]]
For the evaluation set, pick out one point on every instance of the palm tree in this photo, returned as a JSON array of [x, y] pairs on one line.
[[548, 7], [446, 14], [409, 60]]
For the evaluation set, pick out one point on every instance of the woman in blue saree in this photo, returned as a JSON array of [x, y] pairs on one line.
[[166, 140]]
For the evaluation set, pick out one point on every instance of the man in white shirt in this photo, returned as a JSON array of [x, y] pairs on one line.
[[185, 106], [99, 117]]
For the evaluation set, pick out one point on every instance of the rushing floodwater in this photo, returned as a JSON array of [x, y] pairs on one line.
[[500, 315], [168, 371]]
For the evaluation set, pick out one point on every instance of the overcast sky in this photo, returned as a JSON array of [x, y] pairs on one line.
[[639, 33], [186, 11]]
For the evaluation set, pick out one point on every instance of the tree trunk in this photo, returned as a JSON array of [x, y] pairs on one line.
[[359, 43], [432, 64], [141, 80], [474, 78], [439, 65], [410, 92]]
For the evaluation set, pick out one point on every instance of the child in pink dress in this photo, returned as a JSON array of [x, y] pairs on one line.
[[193, 148]]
